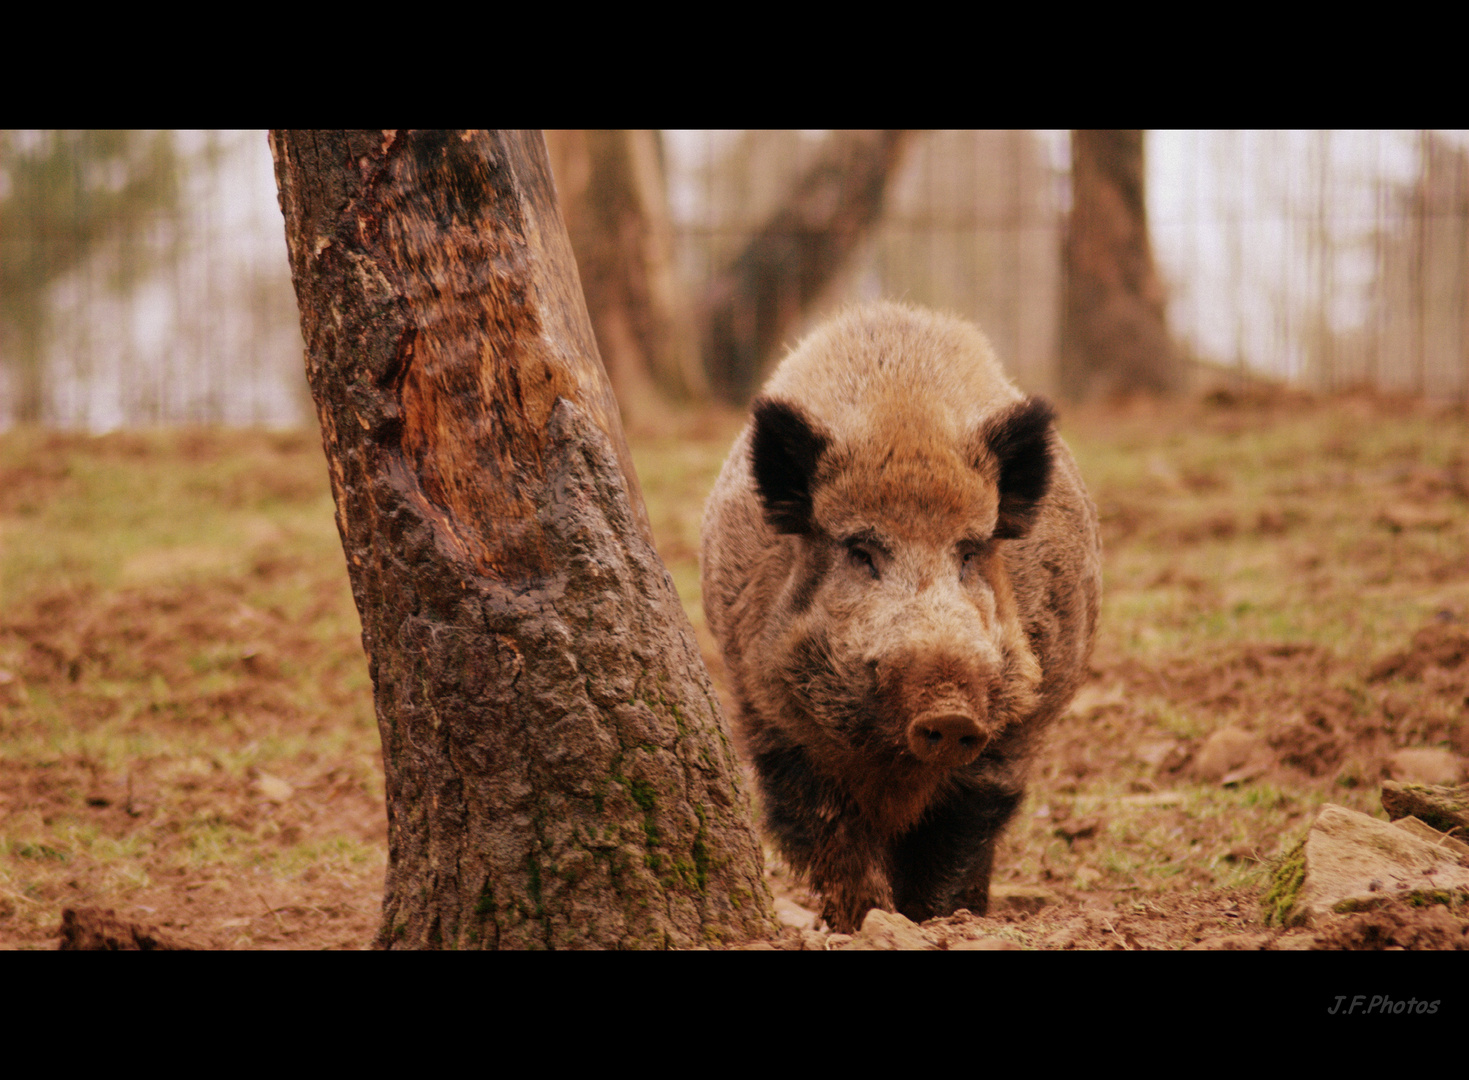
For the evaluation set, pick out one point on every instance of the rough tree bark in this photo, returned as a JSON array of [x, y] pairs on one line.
[[755, 304], [614, 201], [558, 771], [1114, 333]]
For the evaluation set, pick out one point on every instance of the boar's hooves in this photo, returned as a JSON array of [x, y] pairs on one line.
[[950, 739]]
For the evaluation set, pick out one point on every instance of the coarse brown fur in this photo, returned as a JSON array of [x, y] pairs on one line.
[[903, 569]]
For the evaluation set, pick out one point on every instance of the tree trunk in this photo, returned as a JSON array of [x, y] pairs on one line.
[[558, 771], [1115, 335], [614, 200], [27, 372], [753, 306]]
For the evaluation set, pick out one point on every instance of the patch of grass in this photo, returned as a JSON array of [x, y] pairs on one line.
[[1258, 563], [174, 620], [337, 853]]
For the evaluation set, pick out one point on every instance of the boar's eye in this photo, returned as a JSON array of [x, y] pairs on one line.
[[861, 556], [969, 560]]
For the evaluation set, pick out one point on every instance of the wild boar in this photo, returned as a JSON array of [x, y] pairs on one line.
[[902, 569]]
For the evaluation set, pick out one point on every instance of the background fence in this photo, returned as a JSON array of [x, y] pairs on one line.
[[1332, 258], [1326, 258], [176, 307]]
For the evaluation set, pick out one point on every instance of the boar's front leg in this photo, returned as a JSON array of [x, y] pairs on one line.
[[850, 872], [822, 836], [944, 862]]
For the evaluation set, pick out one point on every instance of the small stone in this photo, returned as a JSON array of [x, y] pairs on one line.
[[791, 913], [1354, 862], [1426, 765], [1443, 808], [1230, 755], [1429, 834], [812, 941], [887, 931], [1080, 828], [273, 788]]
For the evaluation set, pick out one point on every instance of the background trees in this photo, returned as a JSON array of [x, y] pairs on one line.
[[754, 303], [657, 336], [1325, 258], [613, 195], [64, 193], [143, 281]]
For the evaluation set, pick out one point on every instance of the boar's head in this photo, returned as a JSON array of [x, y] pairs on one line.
[[900, 645]]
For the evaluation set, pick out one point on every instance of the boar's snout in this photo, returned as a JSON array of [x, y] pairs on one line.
[[946, 738], [941, 705]]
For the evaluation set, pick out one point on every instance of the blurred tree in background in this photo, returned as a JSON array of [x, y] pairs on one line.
[[614, 197], [614, 200], [1115, 336], [755, 302], [62, 193]]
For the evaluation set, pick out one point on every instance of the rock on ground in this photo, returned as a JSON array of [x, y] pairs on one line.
[[1354, 862]]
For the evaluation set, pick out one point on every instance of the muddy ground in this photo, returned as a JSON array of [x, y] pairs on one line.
[[186, 729]]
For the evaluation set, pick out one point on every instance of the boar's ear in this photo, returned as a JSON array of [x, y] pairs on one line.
[[1020, 439], [783, 455]]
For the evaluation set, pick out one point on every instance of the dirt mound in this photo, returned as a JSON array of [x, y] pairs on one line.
[[94, 930], [1397, 926], [1439, 651]]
